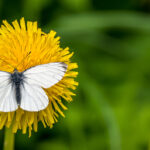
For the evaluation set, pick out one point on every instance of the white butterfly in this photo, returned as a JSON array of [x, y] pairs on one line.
[[24, 89]]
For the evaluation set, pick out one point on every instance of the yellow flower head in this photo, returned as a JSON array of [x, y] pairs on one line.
[[15, 43]]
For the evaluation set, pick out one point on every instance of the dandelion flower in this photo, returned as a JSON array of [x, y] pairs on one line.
[[16, 41]]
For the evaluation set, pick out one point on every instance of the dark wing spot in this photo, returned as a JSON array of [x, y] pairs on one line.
[[65, 66]]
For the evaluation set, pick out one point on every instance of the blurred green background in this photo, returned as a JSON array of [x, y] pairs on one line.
[[111, 41]]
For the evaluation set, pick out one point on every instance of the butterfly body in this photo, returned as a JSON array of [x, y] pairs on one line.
[[26, 89], [17, 80]]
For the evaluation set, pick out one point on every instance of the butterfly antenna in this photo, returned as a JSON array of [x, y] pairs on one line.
[[23, 59]]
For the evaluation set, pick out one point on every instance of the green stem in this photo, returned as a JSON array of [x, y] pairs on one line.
[[8, 139]]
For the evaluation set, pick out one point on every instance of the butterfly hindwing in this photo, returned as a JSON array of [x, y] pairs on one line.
[[34, 98]]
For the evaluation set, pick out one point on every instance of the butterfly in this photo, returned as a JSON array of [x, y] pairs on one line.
[[25, 89]]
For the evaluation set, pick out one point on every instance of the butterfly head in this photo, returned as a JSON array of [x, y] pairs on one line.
[[16, 76], [15, 70]]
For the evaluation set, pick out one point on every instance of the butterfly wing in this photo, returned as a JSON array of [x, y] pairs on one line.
[[7, 93], [34, 97], [45, 75]]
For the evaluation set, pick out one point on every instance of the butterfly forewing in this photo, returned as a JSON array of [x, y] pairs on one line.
[[8, 101], [45, 75]]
